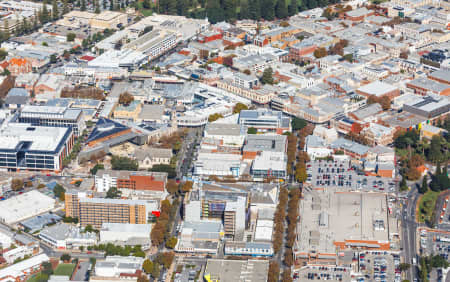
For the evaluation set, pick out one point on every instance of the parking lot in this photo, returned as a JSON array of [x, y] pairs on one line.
[[329, 273], [339, 174], [188, 271], [435, 243], [379, 266]]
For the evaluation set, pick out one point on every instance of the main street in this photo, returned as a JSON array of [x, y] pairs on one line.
[[409, 227]]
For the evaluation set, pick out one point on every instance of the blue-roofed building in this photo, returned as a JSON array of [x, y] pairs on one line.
[[106, 129], [265, 121], [38, 222]]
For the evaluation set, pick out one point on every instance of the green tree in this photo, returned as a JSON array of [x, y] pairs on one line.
[[437, 261], [244, 12], [182, 7], [267, 77], [293, 8], [164, 168], [59, 191], [65, 7], [171, 242], [146, 4], [123, 163], [16, 184], [113, 193], [229, 9], [55, 12], [3, 54], [65, 257], [70, 37], [298, 123], [53, 59], [89, 228], [45, 14], [96, 168], [239, 107], [254, 9], [214, 117], [435, 153], [97, 7], [214, 11], [424, 188], [268, 9], [281, 9], [47, 268], [252, 130], [147, 266], [155, 270], [300, 173], [404, 266]]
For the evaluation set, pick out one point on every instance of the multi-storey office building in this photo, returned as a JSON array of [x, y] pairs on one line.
[[265, 120], [27, 147], [53, 116]]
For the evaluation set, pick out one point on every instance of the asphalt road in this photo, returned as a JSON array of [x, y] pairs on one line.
[[81, 274], [409, 227]]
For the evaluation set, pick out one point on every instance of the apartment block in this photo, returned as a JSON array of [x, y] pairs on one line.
[[130, 180], [96, 211]]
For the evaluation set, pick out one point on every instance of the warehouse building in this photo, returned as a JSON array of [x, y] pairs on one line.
[[24, 206], [430, 107]]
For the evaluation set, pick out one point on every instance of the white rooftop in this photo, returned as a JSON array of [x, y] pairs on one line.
[[16, 270], [42, 138], [24, 206], [377, 88]]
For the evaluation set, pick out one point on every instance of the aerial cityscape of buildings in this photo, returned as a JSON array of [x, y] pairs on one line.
[[226, 141]]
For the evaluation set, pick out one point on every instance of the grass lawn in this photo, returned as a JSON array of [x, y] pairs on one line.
[[426, 206], [145, 12], [36, 277], [65, 269]]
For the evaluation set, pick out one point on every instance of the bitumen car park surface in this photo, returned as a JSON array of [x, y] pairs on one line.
[[340, 174], [379, 266]]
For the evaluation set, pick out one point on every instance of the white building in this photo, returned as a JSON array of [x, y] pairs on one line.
[[6, 239], [316, 147], [219, 164], [114, 266], [230, 135], [22, 270], [17, 253], [113, 232], [269, 164], [154, 43], [66, 236], [327, 134], [24, 206]]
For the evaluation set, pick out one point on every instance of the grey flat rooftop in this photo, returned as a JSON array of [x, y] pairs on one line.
[[237, 270]]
